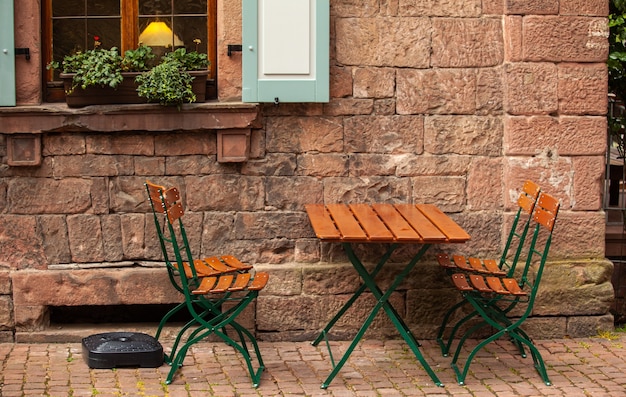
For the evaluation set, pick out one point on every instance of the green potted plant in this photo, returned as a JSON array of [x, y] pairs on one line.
[[99, 76]]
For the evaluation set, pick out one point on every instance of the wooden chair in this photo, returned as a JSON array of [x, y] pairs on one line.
[[208, 285], [504, 267], [494, 297]]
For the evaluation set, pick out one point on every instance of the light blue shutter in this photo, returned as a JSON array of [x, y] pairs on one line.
[[7, 54], [285, 50]]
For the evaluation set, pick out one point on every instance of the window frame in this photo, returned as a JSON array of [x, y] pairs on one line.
[[129, 30]]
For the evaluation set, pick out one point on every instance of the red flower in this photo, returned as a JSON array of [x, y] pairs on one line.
[[96, 38]]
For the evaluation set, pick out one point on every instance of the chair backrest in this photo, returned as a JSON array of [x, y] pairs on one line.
[[546, 211], [167, 209], [526, 204]]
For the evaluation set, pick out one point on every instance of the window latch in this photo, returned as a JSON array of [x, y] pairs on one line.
[[23, 51], [233, 48]]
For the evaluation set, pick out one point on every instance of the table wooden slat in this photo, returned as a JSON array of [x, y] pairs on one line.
[[451, 229], [346, 223], [400, 228], [371, 223], [420, 223], [322, 223]]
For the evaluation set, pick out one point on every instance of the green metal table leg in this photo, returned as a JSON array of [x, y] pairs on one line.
[[383, 302]]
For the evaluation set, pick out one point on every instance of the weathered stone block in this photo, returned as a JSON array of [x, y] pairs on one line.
[[374, 82], [224, 192], [340, 84], [366, 189], [140, 145], [484, 184], [63, 144], [588, 183], [271, 225], [112, 232], [563, 136], [470, 8], [332, 279], [384, 134], [489, 91], [31, 317], [426, 308], [385, 107], [291, 193], [375, 164], [424, 165], [396, 42], [467, 42], [48, 196], [21, 245], [546, 327], [92, 165], [85, 249], [585, 326], [132, 235], [440, 91], [285, 280], [307, 251], [187, 143], [303, 134], [485, 229], [565, 39], [5, 282], [599, 8], [463, 135], [583, 88], [276, 164], [149, 166], [448, 192], [513, 38], [531, 88], [322, 164], [532, 7], [55, 240], [6, 313], [493, 7], [348, 106], [193, 165]]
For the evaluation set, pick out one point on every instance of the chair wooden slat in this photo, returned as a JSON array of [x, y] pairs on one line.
[[223, 283], [241, 282], [513, 287], [205, 286], [323, 225], [478, 282], [444, 261], [235, 263], [420, 223], [260, 279], [461, 263], [495, 283], [373, 226], [477, 265], [451, 229], [460, 282], [492, 267], [347, 224], [218, 265], [396, 223]]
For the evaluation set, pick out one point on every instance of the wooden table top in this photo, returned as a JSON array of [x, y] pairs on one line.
[[384, 223]]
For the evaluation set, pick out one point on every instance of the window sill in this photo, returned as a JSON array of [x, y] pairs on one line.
[[53, 117]]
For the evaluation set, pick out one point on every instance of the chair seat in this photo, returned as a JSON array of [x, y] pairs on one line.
[[471, 265], [492, 285], [232, 283]]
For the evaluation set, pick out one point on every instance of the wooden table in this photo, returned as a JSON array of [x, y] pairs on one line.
[[393, 224]]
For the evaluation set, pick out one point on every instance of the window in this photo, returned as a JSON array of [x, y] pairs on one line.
[[71, 25]]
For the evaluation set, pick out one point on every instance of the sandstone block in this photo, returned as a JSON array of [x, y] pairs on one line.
[[375, 164], [55, 240], [5, 282], [340, 84], [448, 193], [588, 183], [532, 7], [366, 189], [426, 308], [185, 143], [470, 8], [112, 235], [531, 88], [599, 8], [436, 91], [484, 184], [561, 135], [21, 245], [585, 326], [92, 165], [374, 82], [387, 41], [291, 193], [128, 194], [583, 88], [307, 251], [471, 135], [385, 107], [348, 106], [302, 134], [277, 164], [426, 164], [485, 229], [489, 91], [149, 166], [272, 225], [493, 7], [578, 235], [384, 134], [48, 196], [6, 313], [192, 165], [285, 280], [565, 39], [322, 164], [140, 145], [85, 249], [63, 144], [225, 193], [513, 38], [547, 327], [467, 42], [132, 235], [330, 279], [31, 318]]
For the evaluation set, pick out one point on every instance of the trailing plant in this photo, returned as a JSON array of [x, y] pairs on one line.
[[192, 60], [138, 60], [168, 83]]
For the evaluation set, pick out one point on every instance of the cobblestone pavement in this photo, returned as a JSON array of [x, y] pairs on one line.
[[577, 367]]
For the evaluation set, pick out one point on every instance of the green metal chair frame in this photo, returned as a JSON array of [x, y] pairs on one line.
[[505, 266], [490, 295], [207, 285]]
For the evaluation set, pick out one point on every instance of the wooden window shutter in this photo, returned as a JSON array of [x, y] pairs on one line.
[[7, 54], [285, 50]]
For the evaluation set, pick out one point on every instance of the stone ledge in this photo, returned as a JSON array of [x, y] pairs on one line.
[[52, 117]]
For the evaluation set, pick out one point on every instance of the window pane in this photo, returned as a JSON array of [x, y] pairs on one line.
[[190, 7], [68, 8], [103, 7], [155, 7], [107, 29], [190, 29]]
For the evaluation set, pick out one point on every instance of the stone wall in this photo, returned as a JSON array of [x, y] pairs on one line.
[[453, 103]]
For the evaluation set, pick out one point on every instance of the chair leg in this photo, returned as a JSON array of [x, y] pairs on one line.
[[445, 348]]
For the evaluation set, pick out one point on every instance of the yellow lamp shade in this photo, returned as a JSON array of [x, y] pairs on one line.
[[158, 34]]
